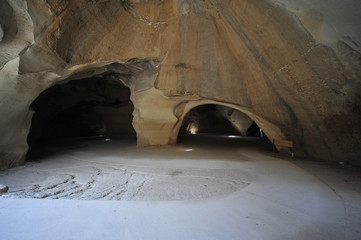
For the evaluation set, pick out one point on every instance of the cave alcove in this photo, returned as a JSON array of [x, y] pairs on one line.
[[98, 107]]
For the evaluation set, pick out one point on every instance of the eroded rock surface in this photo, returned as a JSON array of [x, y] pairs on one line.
[[292, 67]]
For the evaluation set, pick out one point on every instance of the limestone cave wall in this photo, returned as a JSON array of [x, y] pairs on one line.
[[293, 67]]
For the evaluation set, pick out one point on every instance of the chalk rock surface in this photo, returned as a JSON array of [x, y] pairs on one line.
[[292, 66]]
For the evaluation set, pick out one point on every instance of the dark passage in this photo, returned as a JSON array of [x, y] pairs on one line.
[[97, 107], [207, 119], [213, 121]]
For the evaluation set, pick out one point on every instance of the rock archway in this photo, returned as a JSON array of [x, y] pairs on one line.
[[136, 74], [241, 118]]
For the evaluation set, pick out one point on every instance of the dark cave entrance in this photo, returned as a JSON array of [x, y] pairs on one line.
[[98, 107], [213, 124]]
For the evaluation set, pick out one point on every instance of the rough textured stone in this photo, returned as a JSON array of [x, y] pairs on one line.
[[3, 188], [292, 66]]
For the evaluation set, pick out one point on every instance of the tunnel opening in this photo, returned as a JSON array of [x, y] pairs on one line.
[[213, 124], [94, 108]]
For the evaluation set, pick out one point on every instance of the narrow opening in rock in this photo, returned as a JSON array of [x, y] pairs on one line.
[[80, 111]]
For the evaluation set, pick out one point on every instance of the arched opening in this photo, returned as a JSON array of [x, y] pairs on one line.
[[97, 107], [207, 119], [212, 123]]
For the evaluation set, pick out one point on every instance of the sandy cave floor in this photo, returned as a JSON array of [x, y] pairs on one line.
[[207, 187]]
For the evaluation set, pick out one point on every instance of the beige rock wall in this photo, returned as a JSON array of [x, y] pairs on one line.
[[292, 66]]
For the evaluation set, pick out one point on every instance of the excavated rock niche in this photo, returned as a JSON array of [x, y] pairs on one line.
[[293, 67], [102, 89]]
